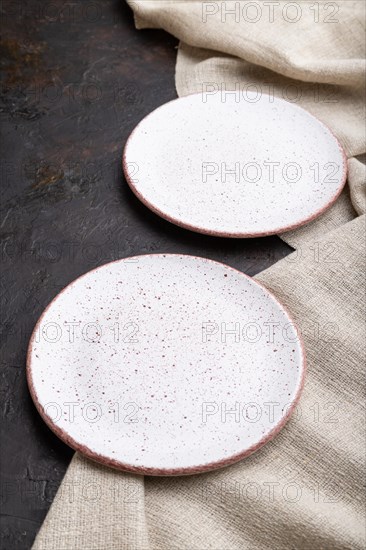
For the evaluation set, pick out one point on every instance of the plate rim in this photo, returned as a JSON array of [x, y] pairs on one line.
[[152, 471], [235, 234]]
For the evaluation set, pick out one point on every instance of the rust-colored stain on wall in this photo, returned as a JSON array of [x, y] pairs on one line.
[[22, 61]]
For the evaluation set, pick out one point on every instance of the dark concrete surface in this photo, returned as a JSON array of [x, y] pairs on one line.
[[76, 79]]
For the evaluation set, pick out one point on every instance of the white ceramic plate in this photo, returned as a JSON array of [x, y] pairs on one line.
[[136, 365], [234, 168]]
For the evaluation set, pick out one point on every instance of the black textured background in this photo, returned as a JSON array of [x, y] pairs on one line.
[[76, 79]]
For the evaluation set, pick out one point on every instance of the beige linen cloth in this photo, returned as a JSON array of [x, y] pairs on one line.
[[305, 489]]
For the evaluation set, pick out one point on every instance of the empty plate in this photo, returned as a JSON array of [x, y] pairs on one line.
[[165, 365], [233, 165]]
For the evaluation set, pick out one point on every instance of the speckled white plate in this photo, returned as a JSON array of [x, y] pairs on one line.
[[165, 365], [243, 167]]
